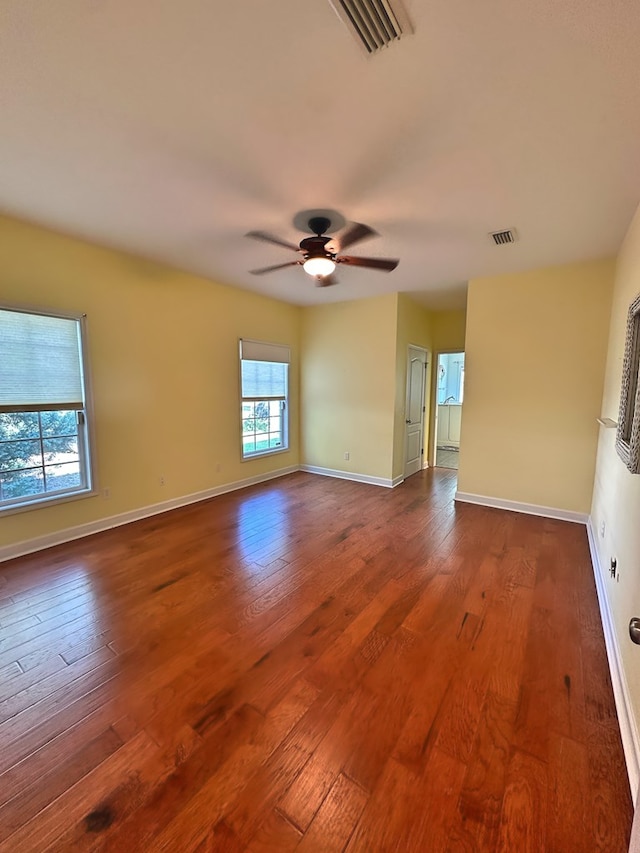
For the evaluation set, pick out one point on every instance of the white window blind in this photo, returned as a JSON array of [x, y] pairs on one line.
[[40, 362], [264, 369], [264, 380]]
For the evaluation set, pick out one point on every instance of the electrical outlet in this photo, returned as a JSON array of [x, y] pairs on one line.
[[346, 456], [218, 467], [162, 479], [106, 493], [603, 527]]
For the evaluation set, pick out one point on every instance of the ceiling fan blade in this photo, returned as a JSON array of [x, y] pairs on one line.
[[267, 238], [354, 234], [326, 280], [386, 264], [263, 270]]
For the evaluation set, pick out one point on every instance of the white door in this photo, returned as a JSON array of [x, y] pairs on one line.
[[414, 410]]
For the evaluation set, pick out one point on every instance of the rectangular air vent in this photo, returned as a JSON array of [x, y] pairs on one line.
[[374, 23], [501, 238]]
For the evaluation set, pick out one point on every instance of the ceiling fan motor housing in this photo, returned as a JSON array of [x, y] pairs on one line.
[[315, 247]]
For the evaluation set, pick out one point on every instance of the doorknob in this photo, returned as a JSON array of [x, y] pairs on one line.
[[634, 630], [408, 421]]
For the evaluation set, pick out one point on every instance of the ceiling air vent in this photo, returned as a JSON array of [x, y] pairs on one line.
[[374, 23], [501, 238]]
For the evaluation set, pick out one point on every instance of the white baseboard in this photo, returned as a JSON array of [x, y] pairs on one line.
[[528, 509], [349, 475], [626, 719], [68, 534], [628, 728], [19, 549]]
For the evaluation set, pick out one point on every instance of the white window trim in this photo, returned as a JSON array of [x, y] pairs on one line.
[[40, 502], [253, 350]]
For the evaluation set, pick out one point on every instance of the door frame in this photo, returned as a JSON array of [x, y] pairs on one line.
[[433, 425], [426, 403]]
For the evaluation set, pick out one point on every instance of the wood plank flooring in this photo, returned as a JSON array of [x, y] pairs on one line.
[[312, 665]]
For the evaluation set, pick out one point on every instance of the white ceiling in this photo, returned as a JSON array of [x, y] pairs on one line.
[[169, 129]]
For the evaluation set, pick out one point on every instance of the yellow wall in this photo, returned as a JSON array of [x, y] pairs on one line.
[[616, 495], [448, 335], [348, 385], [535, 353], [164, 362], [449, 328], [414, 327]]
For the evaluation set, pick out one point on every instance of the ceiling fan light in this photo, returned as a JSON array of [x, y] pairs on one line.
[[319, 266]]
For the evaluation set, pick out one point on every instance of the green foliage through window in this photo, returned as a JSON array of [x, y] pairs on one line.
[[262, 426], [39, 453]]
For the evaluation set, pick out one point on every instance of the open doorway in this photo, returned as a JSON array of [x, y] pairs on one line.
[[449, 397]]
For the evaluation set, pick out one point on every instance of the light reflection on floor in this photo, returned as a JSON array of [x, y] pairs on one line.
[[263, 527]]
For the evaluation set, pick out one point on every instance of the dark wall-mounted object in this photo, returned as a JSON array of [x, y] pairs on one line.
[[628, 434]]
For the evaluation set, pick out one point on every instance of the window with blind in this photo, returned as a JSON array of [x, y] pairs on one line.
[[44, 447], [264, 381]]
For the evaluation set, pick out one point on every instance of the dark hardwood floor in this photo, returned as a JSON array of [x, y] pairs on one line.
[[311, 665]]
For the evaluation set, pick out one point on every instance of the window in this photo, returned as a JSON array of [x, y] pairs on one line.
[[628, 435], [264, 379], [44, 450]]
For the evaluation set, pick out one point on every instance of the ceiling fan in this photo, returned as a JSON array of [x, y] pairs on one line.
[[319, 253]]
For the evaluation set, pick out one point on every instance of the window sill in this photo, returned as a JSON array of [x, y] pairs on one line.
[[264, 453], [40, 503]]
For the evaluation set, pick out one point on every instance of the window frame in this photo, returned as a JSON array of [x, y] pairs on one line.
[[628, 432], [84, 421], [264, 347]]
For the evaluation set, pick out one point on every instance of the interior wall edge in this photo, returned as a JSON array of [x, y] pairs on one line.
[[350, 475], [528, 509], [626, 719]]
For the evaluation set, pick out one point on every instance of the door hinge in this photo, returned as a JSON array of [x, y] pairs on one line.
[[422, 451], [424, 409]]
